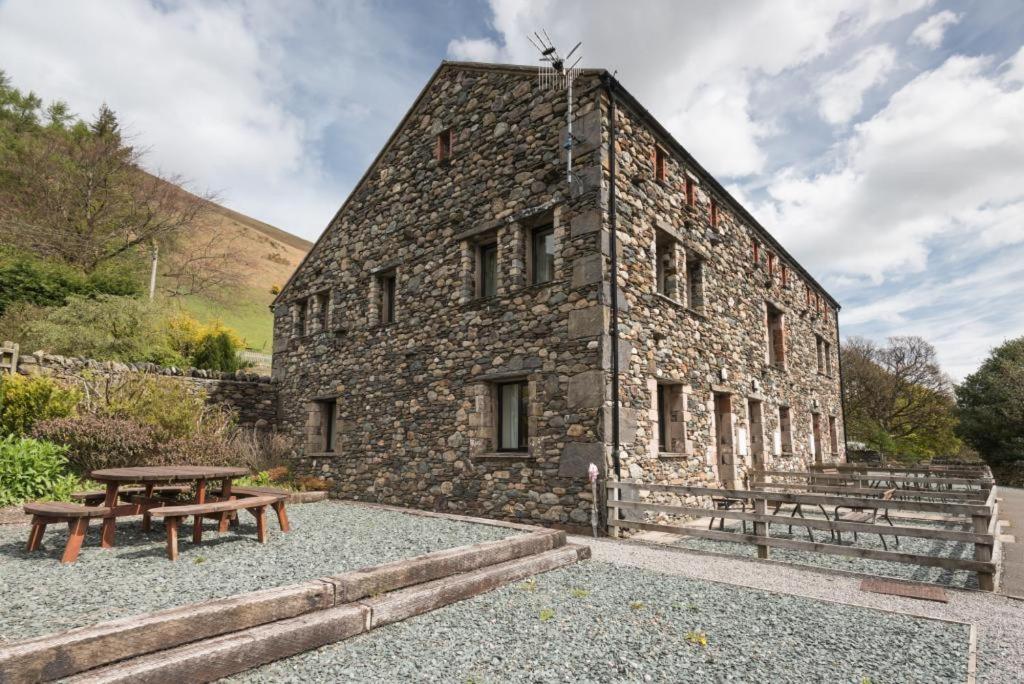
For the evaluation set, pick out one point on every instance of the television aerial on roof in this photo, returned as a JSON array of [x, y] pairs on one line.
[[555, 75]]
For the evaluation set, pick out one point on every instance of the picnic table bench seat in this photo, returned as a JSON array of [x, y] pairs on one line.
[[75, 515], [96, 497], [278, 506], [865, 514], [173, 515]]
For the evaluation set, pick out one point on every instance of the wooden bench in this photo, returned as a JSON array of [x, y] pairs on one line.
[[75, 515], [867, 516], [278, 506], [173, 515]]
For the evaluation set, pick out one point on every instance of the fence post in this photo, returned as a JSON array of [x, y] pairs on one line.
[[613, 510], [9, 357], [761, 528], [983, 552]]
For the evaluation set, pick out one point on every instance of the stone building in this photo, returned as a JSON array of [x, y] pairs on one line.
[[454, 338]]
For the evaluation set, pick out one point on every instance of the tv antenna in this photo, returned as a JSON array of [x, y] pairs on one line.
[[557, 76]]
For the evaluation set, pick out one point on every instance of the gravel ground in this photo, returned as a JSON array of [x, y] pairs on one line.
[[38, 595], [905, 571], [999, 620], [598, 622]]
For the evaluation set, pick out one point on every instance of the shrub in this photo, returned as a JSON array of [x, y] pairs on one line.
[[30, 279], [32, 469], [261, 451], [155, 400], [23, 401], [106, 327], [218, 351], [95, 442], [312, 484]]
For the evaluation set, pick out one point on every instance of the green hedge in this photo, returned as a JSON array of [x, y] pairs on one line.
[[33, 469]]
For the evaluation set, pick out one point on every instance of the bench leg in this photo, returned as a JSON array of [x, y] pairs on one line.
[[261, 523], [145, 515], [74, 545], [282, 516], [172, 537], [35, 535]]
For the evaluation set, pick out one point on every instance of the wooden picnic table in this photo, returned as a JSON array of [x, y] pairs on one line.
[[149, 477]]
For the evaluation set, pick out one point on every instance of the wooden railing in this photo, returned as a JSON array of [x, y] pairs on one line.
[[982, 514], [907, 487]]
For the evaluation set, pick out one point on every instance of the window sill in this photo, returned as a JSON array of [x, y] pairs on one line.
[[321, 454], [505, 456], [786, 454], [699, 313], [675, 456], [669, 300]]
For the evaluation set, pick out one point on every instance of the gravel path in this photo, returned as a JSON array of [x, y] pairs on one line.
[[38, 595], [598, 622], [1000, 620], [904, 571]]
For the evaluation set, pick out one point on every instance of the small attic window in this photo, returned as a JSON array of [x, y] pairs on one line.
[[660, 164], [443, 148], [691, 198], [714, 214]]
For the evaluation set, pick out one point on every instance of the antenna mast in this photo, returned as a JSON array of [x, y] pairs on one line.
[[556, 75]]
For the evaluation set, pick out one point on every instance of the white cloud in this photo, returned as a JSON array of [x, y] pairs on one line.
[[841, 93], [931, 32], [931, 163], [694, 67], [474, 49]]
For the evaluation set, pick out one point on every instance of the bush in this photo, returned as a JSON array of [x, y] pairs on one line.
[[32, 469], [23, 401], [106, 327], [32, 280], [95, 442], [155, 400], [218, 351]]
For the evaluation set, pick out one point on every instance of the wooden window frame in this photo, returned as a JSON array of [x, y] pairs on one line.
[[387, 284], [444, 146], [714, 214], [691, 192], [481, 249], [524, 416], [535, 233], [660, 158]]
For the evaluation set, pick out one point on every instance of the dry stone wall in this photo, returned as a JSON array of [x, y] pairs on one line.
[[253, 397]]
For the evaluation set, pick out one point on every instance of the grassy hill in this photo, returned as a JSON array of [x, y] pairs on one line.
[[262, 256]]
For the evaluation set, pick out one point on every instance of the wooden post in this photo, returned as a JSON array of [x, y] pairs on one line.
[[197, 530], [983, 552], [145, 515], [109, 522], [171, 524], [761, 528], [225, 495]]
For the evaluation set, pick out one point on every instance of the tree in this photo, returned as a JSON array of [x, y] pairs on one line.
[[77, 192], [898, 400], [990, 402]]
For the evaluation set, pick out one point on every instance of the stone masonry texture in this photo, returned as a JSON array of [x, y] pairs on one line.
[[412, 401]]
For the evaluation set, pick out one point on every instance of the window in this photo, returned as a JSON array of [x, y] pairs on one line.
[[388, 284], [785, 431], [771, 265], [695, 282], [785, 276], [691, 197], [670, 405], [320, 311], [824, 354], [816, 437], [300, 318], [663, 266], [512, 416], [443, 150], [542, 248], [714, 214], [833, 435], [775, 320], [487, 269], [757, 253], [327, 409], [660, 164]]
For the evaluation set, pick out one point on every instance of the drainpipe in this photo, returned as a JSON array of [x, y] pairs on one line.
[[609, 84], [842, 388]]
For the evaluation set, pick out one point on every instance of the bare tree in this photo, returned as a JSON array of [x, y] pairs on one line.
[[202, 262]]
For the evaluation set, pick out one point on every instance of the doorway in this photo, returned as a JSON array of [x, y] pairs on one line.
[[816, 428], [756, 434], [725, 446]]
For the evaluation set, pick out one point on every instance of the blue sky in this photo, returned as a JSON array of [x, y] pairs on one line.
[[882, 141]]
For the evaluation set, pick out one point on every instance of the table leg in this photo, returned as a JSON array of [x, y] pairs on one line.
[[109, 522], [197, 529], [225, 494], [145, 515]]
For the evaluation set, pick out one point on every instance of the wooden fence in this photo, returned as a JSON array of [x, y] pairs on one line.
[[943, 487], [981, 513]]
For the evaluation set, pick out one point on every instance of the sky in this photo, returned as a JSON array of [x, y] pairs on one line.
[[881, 141]]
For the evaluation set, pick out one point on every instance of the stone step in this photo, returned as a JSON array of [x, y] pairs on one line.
[[229, 654]]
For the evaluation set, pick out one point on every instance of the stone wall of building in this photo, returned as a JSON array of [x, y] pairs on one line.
[[253, 397], [704, 334], [413, 400]]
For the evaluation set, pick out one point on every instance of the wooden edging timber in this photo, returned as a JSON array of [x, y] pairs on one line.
[[206, 661], [59, 655]]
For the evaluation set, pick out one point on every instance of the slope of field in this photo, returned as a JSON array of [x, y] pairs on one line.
[[260, 257]]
